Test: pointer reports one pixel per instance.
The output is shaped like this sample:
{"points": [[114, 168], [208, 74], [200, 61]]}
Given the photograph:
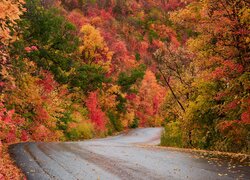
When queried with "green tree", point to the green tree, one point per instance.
{"points": [[89, 78], [48, 39]]}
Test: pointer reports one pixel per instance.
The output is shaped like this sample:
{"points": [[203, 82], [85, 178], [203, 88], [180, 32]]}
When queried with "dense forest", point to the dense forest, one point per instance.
{"points": [[78, 69]]}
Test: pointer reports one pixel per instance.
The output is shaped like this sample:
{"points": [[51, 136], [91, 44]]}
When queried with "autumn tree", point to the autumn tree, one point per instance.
{"points": [[53, 37], [150, 97], [218, 40], [128, 79], [93, 48], [96, 114], [175, 67], [89, 78]]}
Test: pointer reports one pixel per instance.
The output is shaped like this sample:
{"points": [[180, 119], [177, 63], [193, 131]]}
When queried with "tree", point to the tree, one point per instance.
{"points": [[89, 78], [150, 95], [94, 49], [218, 41], [96, 115], [175, 67], [52, 35], [126, 80]]}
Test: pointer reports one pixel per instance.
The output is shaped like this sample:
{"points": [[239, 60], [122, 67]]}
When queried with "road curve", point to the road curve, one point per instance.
{"points": [[120, 157]]}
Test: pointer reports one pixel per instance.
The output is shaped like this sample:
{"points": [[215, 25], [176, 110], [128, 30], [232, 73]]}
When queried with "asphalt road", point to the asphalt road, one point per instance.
{"points": [[126, 156]]}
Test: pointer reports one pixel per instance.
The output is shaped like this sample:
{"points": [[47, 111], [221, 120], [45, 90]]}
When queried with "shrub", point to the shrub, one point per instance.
{"points": [[85, 130], [172, 135], [135, 123]]}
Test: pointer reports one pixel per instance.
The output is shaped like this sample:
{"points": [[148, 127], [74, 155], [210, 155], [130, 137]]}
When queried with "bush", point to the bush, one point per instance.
{"points": [[135, 123], [172, 135], [84, 130]]}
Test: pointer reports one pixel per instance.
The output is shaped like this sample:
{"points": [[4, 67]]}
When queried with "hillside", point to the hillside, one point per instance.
{"points": [[79, 69]]}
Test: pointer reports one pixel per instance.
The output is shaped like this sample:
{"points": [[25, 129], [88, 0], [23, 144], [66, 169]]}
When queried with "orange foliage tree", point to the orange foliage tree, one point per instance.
{"points": [[150, 97]]}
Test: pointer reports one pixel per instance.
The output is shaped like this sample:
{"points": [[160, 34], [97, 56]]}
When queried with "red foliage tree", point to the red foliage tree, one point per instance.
{"points": [[47, 82], [96, 114]]}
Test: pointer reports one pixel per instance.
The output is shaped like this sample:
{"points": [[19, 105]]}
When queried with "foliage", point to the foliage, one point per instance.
{"points": [[10, 12], [150, 97], [88, 78], [121, 106], [83, 130], [172, 135], [126, 80], [115, 121], [8, 169], [126, 64], [135, 123], [96, 114], [209, 90], [94, 49], [52, 37]]}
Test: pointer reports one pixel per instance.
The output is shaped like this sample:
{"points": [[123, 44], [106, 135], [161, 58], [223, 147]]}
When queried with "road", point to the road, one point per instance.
{"points": [[127, 156]]}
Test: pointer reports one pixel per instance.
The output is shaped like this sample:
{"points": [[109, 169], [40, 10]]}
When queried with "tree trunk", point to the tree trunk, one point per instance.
{"points": [[172, 91]]}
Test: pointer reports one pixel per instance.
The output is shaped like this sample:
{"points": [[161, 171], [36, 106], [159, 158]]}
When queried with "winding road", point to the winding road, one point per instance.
{"points": [[127, 156]]}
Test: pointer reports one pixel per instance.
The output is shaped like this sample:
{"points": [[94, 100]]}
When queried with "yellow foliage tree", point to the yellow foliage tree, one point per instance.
{"points": [[94, 49]]}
